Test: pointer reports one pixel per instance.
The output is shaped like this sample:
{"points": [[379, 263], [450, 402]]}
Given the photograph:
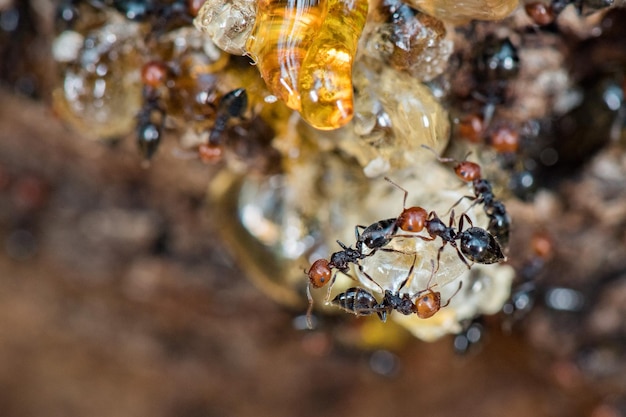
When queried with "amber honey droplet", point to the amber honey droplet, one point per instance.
{"points": [[465, 10], [282, 35], [541, 13], [326, 76], [505, 140]]}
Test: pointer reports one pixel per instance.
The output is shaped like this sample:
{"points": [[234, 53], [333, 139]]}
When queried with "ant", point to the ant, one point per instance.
{"points": [[363, 303], [320, 274], [470, 172], [476, 244], [151, 117], [231, 105]]}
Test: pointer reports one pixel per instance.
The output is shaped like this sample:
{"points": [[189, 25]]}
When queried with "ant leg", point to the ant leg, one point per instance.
{"points": [[309, 311], [455, 293], [471, 197], [370, 278], [406, 193], [409, 275], [356, 232], [439, 255], [330, 287], [460, 255], [464, 216]]}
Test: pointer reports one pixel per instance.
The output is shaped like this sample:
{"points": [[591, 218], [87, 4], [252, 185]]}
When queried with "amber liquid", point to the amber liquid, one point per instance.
{"points": [[326, 75], [283, 33]]}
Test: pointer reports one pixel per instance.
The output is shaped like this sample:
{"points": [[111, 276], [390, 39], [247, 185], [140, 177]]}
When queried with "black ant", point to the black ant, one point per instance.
{"points": [[363, 303], [231, 105], [470, 172], [151, 117], [476, 244], [321, 272]]}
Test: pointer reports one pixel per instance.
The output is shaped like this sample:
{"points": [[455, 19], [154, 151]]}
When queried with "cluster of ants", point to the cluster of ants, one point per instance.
{"points": [[474, 244]]}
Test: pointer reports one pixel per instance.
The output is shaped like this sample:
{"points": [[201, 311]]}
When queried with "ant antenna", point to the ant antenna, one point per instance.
{"points": [[455, 293], [406, 193], [445, 160]]}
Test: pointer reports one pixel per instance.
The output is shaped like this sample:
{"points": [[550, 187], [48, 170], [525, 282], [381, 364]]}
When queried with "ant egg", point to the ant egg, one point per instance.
{"points": [[464, 10], [325, 81]]}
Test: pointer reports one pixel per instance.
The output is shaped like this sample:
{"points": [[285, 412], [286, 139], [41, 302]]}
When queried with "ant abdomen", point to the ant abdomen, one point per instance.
{"points": [[359, 302], [480, 246]]}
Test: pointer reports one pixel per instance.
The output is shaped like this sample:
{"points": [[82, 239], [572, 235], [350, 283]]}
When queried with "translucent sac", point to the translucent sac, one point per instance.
{"points": [[465, 10], [228, 23], [409, 41], [326, 77]]}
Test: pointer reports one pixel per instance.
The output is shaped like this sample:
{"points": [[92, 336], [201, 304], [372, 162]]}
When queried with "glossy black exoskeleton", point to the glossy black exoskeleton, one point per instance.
{"points": [[359, 302], [480, 246], [233, 104], [150, 121]]}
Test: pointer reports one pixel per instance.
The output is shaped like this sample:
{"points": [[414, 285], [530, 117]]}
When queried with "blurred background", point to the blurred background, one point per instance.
{"points": [[119, 298]]}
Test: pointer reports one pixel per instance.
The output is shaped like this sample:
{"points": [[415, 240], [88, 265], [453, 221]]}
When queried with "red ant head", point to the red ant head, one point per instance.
{"points": [[412, 219], [504, 140], [541, 245], [210, 153], [471, 128], [542, 14], [320, 273], [428, 304], [467, 171], [154, 73]]}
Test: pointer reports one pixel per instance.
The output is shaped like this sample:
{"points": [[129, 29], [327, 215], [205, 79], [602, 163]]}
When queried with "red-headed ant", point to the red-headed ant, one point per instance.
{"points": [[470, 172], [363, 303]]}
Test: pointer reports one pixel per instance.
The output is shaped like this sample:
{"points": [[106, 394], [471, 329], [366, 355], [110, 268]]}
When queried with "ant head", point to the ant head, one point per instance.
{"points": [[210, 153], [541, 14], [471, 128], [505, 139], [467, 171], [319, 273], [154, 74], [412, 219], [428, 304]]}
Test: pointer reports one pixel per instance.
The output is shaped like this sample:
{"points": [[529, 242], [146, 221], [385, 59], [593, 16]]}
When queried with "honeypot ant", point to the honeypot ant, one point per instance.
{"points": [[470, 172]]}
